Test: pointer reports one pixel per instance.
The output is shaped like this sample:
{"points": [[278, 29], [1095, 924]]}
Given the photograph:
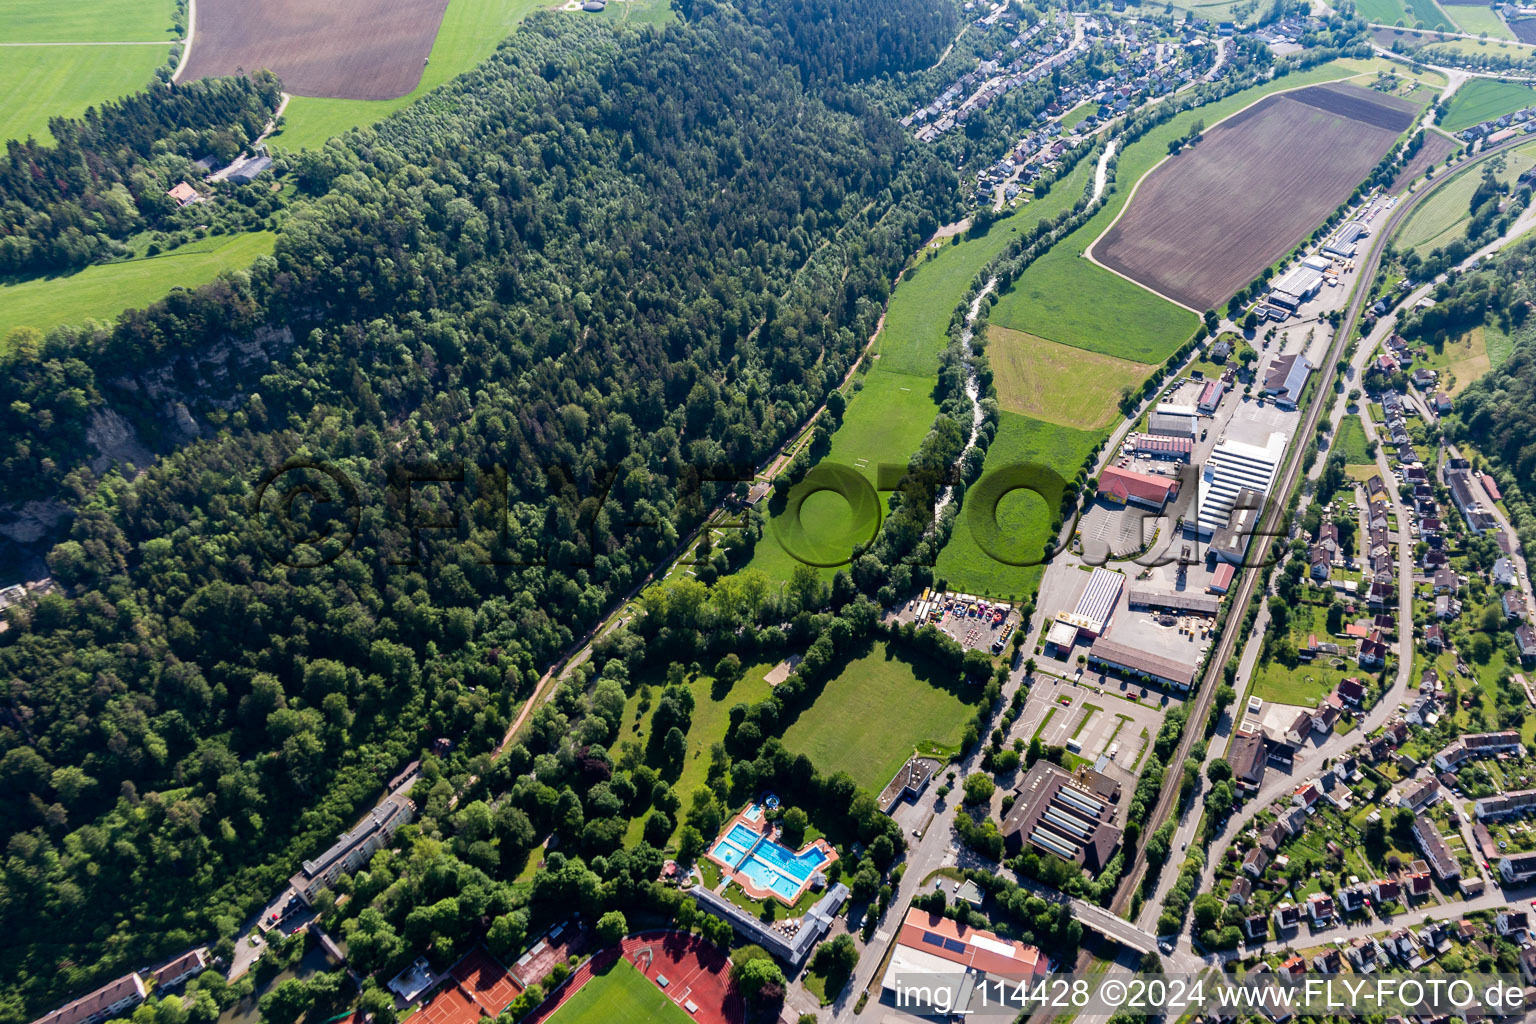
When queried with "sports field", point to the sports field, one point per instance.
{"points": [[869, 718], [1442, 217], [917, 320], [1208, 220], [620, 993], [1482, 99], [1123, 319], [1057, 383], [103, 291], [469, 33], [40, 82], [970, 561]]}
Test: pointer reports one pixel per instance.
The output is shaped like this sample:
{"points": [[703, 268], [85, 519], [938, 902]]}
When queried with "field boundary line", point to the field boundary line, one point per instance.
{"points": [[186, 45], [108, 42], [1131, 195]]}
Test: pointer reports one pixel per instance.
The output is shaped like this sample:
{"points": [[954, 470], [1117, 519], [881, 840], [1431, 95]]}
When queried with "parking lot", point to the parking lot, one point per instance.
{"points": [[969, 620], [1098, 721]]}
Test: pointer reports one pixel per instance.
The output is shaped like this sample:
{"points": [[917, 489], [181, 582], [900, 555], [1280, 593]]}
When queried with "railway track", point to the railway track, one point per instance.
{"points": [[1270, 525]]}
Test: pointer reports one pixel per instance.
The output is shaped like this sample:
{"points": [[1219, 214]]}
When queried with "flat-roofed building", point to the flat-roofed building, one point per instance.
{"points": [[1098, 602], [1235, 466], [1161, 446], [1055, 813], [1173, 600], [353, 849]]}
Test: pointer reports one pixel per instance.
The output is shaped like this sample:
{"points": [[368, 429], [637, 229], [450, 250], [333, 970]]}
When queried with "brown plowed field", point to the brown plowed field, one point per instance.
{"points": [[1206, 222], [1525, 31], [1435, 149], [346, 49]]}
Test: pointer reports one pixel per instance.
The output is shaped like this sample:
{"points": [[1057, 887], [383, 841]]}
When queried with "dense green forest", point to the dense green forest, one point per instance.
{"points": [[66, 204], [590, 274]]}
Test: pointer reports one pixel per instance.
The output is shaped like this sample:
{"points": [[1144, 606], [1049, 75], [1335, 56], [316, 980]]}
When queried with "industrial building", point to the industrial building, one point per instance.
{"points": [[1286, 378], [1229, 545], [792, 949], [1137, 662], [1092, 612], [1296, 287], [1173, 600], [1232, 467], [1143, 489], [940, 963], [1055, 813], [1165, 447], [1344, 243], [1210, 396]]}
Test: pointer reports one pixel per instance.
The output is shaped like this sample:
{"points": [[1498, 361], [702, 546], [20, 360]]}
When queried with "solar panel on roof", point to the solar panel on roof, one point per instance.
{"points": [[954, 945], [933, 939]]}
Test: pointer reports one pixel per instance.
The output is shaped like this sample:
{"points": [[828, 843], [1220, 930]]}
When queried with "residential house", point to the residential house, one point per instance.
{"points": [[1386, 890], [1286, 916], [180, 969], [1242, 889], [1525, 643], [1255, 862], [103, 1004], [1511, 922], [1504, 572], [1518, 868], [1320, 909], [1256, 927], [1365, 954]]}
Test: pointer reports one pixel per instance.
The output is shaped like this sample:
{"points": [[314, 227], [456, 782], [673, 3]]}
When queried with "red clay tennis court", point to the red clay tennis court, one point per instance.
{"points": [[450, 1006], [483, 978]]}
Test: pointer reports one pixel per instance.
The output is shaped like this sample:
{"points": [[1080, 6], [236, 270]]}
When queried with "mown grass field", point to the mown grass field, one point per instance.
{"points": [[1480, 48], [40, 82], [1074, 117], [1351, 440], [1069, 300], [619, 993], [1023, 517], [470, 32], [1463, 359], [1407, 12], [103, 291], [86, 21], [1480, 99], [1057, 383], [917, 320], [1475, 20], [712, 704], [885, 422], [1442, 217], [868, 719]]}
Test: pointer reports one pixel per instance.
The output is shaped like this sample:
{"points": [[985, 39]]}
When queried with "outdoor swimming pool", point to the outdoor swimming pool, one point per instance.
{"points": [[767, 865]]}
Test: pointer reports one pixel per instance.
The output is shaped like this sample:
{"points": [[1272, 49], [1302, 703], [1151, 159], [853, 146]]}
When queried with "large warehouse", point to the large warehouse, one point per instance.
{"points": [[1296, 287], [1234, 465], [1286, 378]]}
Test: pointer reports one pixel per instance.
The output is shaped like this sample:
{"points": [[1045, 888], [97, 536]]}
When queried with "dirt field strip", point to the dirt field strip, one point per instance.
{"points": [[346, 49], [1199, 228], [186, 44]]}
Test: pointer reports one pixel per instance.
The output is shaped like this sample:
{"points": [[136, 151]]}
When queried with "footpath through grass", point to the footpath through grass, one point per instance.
{"points": [[1482, 99], [869, 718], [1065, 298], [41, 82], [103, 291], [619, 993]]}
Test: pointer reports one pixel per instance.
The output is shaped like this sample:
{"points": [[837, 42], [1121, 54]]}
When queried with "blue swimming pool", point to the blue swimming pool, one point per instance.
{"points": [[779, 870]]}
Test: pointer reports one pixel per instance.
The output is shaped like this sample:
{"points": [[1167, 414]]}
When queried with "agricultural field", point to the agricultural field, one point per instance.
{"points": [[1208, 220], [38, 82], [1432, 153], [619, 993], [103, 291], [355, 49], [1482, 99], [1441, 218], [1057, 383], [1476, 20], [1023, 518], [469, 32], [917, 320], [868, 720], [1407, 13], [1125, 320], [1524, 30], [1433, 44]]}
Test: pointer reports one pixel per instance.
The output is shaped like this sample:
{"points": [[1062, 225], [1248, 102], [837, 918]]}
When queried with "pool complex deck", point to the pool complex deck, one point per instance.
{"points": [[748, 856]]}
